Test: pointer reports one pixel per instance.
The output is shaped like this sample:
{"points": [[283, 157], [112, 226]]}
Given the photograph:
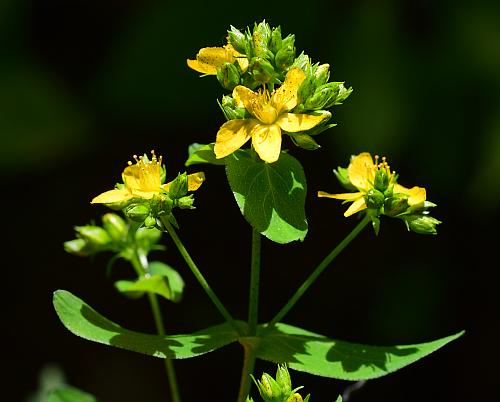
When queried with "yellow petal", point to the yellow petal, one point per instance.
{"points": [[361, 171], [343, 196], [356, 206], [203, 68], [142, 177], [112, 196], [215, 56], [243, 63], [293, 122], [416, 195], [266, 139], [232, 135], [245, 97], [285, 97]]}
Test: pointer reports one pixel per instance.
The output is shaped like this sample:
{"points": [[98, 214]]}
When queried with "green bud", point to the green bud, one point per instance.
{"points": [[95, 236], [374, 199], [342, 95], [396, 204], [269, 389], [230, 110], [382, 179], [186, 202], [306, 89], [137, 212], [322, 74], [179, 187], [304, 141], [288, 41], [262, 70], [76, 247], [165, 205], [147, 236], [261, 37], [285, 57], [150, 222], [422, 224], [276, 42], [228, 76], [303, 62], [321, 97], [238, 40], [283, 379], [295, 398], [115, 226]]}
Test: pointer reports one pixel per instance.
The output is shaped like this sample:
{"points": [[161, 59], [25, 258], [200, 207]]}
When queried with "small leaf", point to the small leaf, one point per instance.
{"points": [[82, 320], [200, 153], [174, 279], [70, 394], [316, 354], [271, 196]]}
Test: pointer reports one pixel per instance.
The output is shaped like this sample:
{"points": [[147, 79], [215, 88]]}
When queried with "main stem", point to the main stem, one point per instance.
{"points": [[198, 275], [318, 270], [141, 268], [248, 366], [253, 300]]}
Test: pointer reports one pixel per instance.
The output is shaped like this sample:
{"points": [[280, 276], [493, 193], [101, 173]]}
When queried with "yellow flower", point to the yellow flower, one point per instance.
{"points": [[209, 59], [143, 180], [361, 173], [270, 116]]}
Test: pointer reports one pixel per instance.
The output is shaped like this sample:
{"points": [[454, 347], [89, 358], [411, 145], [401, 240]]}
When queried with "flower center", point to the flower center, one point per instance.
{"points": [[263, 108], [146, 173]]}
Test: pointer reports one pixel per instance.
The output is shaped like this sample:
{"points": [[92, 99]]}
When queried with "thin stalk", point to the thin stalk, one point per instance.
{"points": [[248, 366], [253, 300], [140, 265], [318, 270], [198, 275]]}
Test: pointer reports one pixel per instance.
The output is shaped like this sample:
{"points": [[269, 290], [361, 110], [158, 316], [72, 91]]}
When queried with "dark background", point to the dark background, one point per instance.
{"points": [[86, 84]]}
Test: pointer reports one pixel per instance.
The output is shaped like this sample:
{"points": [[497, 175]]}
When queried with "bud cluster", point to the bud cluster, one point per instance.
{"points": [[115, 235], [279, 389]]}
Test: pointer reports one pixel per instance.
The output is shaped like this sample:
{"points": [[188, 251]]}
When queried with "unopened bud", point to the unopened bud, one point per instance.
{"points": [[137, 212], [342, 95], [422, 224], [186, 202], [95, 236], [285, 56], [269, 389], [322, 95], [283, 379], [115, 226], [148, 236], [304, 141], [322, 74], [342, 175], [382, 179], [306, 89], [238, 40], [374, 199], [230, 110], [150, 222], [262, 70], [76, 247], [261, 37], [276, 42], [295, 398], [396, 204], [179, 187], [228, 76]]}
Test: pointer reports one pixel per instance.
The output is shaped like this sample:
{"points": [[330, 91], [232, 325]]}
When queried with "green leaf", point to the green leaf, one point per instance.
{"points": [[200, 153], [70, 394], [82, 320], [316, 354], [271, 196], [163, 281]]}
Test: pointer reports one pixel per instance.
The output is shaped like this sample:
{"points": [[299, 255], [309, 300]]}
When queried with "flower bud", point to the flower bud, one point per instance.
{"points": [[179, 187], [150, 222], [306, 89], [295, 398], [230, 110], [269, 389], [304, 141], [342, 95], [285, 56], [261, 37], [76, 247], [228, 76], [382, 179], [322, 74], [95, 236], [137, 212], [147, 236], [422, 224], [276, 42], [115, 226], [283, 379], [321, 97], [374, 199], [262, 70], [186, 202], [238, 40], [396, 204]]}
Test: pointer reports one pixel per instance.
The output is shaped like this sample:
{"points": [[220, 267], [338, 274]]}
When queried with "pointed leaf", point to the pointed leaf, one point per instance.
{"points": [[319, 355], [70, 394], [82, 320], [271, 196], [200, 153]]}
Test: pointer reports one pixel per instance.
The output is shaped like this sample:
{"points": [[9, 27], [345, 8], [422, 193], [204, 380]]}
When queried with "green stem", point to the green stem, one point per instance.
{"points": [[248, 366], [318, 270], [253, 300], [141, 268], [199, 276]]}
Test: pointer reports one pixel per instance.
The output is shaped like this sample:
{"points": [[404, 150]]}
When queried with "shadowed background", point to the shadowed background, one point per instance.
{"points": [[86, 84]]}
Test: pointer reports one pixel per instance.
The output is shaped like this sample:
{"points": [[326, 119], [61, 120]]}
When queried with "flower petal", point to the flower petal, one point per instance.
{"points": [[232, 135], [245, 97], [343, 196], [203, 68], [112, 196], [356, 206], [285, 97], [266, 139], [293, 122], [416, 195], [361, 171]]}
